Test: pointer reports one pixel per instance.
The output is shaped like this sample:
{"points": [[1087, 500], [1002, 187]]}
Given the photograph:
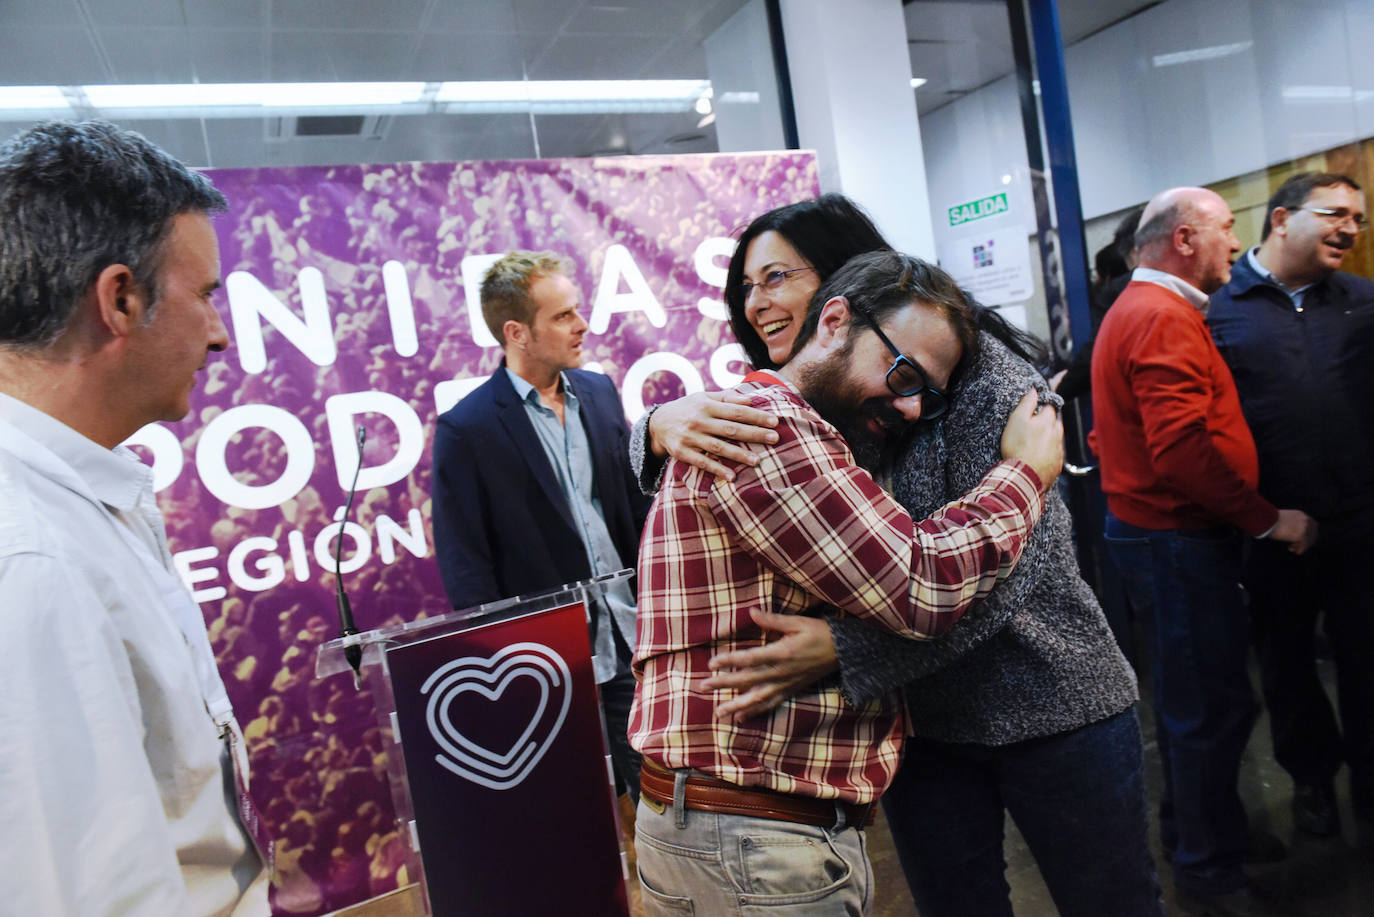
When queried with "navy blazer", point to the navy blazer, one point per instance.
{"points": [[502, 526], [1306, 383]]}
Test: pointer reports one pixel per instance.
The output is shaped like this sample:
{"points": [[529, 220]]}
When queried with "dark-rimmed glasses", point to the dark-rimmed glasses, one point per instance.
{"points": [[771, 281], [905, 378], [1339, 215]]}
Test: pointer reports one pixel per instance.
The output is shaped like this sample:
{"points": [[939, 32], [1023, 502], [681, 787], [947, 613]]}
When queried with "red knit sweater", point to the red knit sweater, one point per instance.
{"points": [[1174, 448]]}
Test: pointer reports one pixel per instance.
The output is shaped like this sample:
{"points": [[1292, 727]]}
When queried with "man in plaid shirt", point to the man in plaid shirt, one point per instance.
{"points": [[766, 810]]}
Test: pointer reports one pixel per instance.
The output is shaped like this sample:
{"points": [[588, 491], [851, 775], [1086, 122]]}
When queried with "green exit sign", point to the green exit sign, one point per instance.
{"points": [[976, 210]]}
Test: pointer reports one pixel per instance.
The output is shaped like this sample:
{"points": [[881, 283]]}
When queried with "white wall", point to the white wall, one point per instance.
{"points": [[739, 60], [851, 82], [1301, 81]]}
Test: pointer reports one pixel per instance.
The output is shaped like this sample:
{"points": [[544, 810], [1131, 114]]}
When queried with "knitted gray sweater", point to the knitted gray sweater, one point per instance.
{"points": [[1034, 658]]}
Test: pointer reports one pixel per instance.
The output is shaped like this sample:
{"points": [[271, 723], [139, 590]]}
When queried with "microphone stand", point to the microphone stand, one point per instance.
{"points": [[352, 653]]}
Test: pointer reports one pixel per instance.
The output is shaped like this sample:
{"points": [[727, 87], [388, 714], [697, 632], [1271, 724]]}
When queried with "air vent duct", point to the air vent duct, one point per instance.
{"points": [[326, 127]]}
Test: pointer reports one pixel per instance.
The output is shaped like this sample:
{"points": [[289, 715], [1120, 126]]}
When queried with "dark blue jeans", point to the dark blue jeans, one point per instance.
{"points": [[1078, 799], [1286, 594], [1185, 585]]}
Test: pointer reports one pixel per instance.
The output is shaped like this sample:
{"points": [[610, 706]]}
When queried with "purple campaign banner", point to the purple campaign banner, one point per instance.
{"points": [[351, 297]]}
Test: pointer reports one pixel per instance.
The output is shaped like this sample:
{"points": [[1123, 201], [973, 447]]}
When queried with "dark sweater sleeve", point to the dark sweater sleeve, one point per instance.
{"points": [[873, 663], [646, 467], [934, 467]]}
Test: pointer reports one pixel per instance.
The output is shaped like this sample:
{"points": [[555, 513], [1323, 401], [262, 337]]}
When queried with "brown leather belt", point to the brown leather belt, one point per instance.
{"points": [[707, 794]]}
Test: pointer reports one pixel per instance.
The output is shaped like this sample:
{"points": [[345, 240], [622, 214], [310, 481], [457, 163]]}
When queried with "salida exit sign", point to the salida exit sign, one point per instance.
{"points": [[976, 210]]}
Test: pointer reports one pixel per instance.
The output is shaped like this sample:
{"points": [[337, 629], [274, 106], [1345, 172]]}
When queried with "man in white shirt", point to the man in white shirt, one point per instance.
{"points": [[118, 787]]}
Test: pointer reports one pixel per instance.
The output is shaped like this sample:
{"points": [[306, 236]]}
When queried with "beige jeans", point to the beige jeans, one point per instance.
{"points": [[711, 865]]}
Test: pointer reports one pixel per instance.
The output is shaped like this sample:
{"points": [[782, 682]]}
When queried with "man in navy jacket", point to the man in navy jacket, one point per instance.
{"points": [[1298, 335], [532, 483]]}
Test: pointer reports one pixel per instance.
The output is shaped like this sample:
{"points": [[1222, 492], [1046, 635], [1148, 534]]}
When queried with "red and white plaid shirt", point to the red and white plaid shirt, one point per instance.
{"points": [[804, 531]]}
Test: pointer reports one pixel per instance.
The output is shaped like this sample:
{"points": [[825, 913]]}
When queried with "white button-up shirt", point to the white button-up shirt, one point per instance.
{"points": [[116, 789]]}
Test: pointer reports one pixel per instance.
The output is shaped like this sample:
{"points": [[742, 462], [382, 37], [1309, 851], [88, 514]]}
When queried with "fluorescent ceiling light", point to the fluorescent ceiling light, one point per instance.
{"points": [[236, 100], [29, 98], [247, 100], [1326, 94], [569, 96], [1197, 54], [917, 82], [738, 97]]}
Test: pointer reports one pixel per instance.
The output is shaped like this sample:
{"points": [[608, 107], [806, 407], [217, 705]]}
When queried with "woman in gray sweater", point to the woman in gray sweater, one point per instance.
{"points": [[1027, 706]]}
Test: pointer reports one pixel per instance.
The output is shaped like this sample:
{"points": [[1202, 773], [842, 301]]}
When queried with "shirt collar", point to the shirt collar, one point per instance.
{"points": [[116, 476], [1252, 258], [769, 377], [1173, 283], [523, 388]]}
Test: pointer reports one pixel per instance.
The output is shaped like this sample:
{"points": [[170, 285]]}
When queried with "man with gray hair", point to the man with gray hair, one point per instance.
{"points": [[119, 791], [1180, 471]]}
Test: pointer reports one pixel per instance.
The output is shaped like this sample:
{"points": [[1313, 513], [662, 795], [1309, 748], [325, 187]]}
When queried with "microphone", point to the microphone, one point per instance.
{"points": [[352, 653]]}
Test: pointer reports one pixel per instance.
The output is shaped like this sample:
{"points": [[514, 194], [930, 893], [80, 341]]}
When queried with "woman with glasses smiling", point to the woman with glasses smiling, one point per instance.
{"points": [[1027, 706]]}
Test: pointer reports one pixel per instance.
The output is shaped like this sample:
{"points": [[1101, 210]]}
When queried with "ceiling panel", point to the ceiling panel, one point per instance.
{"points": [[39, 12], [235, 142], [683, 59], [548, 16], [465, 56], [49, 56], [576, 135], [443, 138], [127, 12], [354, 15], [632, 17], [480, 16], [592, 57], [970, 21], [506, 137], [339, 56], [1081, 18], [146, 54], [230, 55], [670, 133], [958, 46], [228, 14]]}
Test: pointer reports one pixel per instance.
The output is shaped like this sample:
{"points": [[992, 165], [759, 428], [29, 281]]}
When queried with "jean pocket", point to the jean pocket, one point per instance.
{"points": [[788, 868], [657, 902]]}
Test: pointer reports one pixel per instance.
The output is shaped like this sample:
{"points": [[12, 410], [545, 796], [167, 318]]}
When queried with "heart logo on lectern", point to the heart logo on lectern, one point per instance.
{"points": [[489, 678]]}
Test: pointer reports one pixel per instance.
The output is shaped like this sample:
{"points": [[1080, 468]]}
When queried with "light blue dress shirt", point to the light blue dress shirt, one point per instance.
{"points": [[1294, 296], [565, 444]]}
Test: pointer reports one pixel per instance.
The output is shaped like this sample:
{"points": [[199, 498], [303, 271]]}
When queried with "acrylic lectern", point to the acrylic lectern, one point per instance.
{"points": [[498, 759]]}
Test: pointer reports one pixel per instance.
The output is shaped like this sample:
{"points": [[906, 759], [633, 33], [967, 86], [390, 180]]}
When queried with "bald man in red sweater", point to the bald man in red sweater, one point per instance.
{"points": [[1180, 471]]}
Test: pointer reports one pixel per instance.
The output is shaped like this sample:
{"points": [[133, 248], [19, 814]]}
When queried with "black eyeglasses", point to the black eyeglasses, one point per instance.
{"points": [[771, 281], [904, 378], [1339, 216]]}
